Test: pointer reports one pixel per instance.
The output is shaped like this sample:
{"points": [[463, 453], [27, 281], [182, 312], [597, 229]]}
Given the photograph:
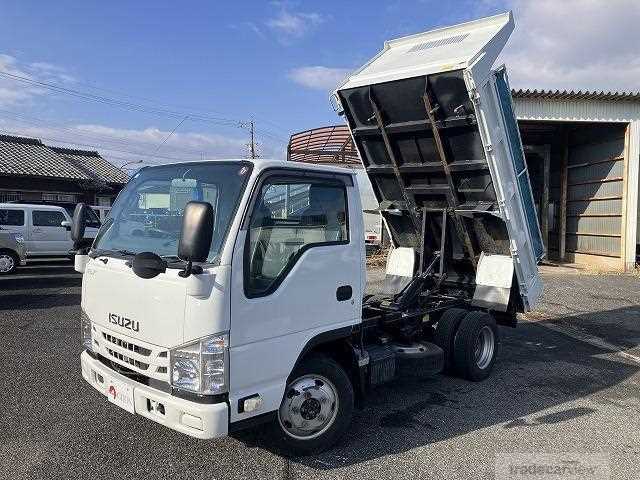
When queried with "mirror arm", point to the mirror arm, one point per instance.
{"points": [[190, 269], [187, 270]]}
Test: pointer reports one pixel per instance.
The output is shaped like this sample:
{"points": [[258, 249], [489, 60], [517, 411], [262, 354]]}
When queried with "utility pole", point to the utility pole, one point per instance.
{"points": [[253, 143], [251, 146]]}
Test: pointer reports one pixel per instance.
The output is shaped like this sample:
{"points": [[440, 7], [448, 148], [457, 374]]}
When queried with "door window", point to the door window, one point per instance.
{"points": [[47, 218], [11, 217], [289, 217]]}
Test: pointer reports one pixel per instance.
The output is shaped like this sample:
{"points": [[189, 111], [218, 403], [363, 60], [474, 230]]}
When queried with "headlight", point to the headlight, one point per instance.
{"points": [[85, 331], [201, 367]]}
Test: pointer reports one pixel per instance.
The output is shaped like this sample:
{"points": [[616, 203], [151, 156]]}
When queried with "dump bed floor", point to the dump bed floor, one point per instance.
{"points": [[423, 153]]}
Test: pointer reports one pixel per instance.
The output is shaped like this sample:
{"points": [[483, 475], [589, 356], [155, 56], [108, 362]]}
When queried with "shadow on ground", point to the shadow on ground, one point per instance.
{"points": [[537, 369], [30, 283], [29, 302]]}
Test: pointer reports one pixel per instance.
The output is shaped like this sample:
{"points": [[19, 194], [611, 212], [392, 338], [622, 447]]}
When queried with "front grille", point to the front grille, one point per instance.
{"points": [[142, 357], [128, 345], [130, 361]]}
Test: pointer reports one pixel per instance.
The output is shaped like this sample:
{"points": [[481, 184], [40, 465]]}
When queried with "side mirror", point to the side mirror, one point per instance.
{"points": [[80, 215], [196, 235], [67, 225]]}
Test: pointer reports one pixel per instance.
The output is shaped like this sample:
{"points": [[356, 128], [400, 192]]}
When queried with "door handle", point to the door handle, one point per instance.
{"points": [[345, 292]]}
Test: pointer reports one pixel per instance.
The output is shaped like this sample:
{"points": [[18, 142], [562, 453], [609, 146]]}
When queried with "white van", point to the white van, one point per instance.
{"points": [[46, 229]]}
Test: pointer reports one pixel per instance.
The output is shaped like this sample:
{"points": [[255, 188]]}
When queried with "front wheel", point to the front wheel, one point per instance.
{"points": [[8, 262], [317, 407]]}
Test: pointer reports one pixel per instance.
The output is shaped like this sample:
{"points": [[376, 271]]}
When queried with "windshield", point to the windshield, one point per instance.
{"points": [[147, 216]]}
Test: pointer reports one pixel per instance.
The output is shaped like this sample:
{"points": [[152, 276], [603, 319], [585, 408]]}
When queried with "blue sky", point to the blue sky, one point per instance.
{"points": [[274, 61]]}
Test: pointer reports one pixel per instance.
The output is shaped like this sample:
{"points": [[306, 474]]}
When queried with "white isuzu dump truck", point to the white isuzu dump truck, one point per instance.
{"points": [[221, 294]]}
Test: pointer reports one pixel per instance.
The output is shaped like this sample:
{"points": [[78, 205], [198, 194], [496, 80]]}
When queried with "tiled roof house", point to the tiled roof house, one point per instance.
{"points": [[33, 171]]}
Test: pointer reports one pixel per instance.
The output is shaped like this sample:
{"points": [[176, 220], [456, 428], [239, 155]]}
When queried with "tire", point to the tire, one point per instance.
{"points": [[445, 334], [9, 261], [476, 346], [322, 380]]}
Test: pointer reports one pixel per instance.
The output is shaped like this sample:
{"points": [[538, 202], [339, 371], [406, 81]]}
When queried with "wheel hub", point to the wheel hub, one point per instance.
{"points": [[6, 263], [309, 408], [484, 347]]}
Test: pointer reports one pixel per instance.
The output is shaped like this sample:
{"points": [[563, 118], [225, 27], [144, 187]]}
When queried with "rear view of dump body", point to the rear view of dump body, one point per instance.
{"points": [[436, 131]]}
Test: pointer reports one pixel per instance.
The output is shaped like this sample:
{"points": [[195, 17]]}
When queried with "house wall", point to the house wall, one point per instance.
{"points": [[38, 189]]}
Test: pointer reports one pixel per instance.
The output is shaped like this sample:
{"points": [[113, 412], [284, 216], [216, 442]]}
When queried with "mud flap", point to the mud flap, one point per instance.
{"points": [[493, 282]]}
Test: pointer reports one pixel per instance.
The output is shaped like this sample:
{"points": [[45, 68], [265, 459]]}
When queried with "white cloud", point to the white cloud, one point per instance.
{"points": [[574, 44], [18, 92], [47, 72], [318, 77], [122, 145], [12, 92], [295, 24]]}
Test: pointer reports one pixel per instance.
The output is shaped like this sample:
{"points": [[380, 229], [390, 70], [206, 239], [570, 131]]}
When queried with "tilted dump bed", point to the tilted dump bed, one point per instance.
{"points": [[435, 129]]}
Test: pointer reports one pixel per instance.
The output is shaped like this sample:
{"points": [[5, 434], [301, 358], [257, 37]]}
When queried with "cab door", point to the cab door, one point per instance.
{"points": [[47, 235], [296, 274]]}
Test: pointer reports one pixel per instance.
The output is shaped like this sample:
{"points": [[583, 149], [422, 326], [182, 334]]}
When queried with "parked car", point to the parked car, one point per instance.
{"points": [[45, 229], [12, 252]]}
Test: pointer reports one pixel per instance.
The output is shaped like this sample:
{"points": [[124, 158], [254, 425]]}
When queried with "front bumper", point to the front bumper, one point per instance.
{"points": [[194, 419]]}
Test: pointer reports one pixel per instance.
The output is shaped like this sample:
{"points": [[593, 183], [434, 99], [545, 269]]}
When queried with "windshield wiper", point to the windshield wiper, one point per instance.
{"points": [[122, 253], [171, 258]]}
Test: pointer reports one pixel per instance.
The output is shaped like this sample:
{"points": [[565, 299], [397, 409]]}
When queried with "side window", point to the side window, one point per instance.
{"points": [[12, 217], [92, 219], [290, 216], [47, 218]]}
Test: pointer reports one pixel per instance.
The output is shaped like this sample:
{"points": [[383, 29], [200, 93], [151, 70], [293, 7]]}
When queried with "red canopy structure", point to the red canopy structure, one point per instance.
{"points": [[325, 145]]}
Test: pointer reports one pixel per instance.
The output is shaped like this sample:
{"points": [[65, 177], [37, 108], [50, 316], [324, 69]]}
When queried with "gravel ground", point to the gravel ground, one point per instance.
{"points": [[554, 389]]}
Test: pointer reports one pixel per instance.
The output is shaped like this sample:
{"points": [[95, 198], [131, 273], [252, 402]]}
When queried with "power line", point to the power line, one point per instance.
{"points": [[92, 136], [164, 104], [116, 102], [170, 133], [134, 106], [58, 140]]}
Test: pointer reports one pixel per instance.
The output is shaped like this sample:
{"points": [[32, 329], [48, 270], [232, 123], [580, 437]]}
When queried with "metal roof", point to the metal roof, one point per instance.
{"points": [[29, 157], [576, 94], [332, 145]]}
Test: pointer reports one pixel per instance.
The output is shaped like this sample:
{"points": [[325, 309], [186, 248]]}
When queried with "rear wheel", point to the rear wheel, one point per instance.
{"points": [[446, 332], [8, 262], [317, 407], [476, 346]]}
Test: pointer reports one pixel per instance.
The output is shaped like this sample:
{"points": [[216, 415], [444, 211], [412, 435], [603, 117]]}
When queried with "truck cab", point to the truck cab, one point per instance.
{"points": [[201, 352], [224, 293]]}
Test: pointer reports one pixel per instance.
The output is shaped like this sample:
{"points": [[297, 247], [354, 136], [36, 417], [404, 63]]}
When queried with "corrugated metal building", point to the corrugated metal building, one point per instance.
{"points": [[583, 152]]}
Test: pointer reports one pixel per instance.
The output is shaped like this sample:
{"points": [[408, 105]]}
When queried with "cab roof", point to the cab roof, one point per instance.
{"points": [[262, 164]]}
